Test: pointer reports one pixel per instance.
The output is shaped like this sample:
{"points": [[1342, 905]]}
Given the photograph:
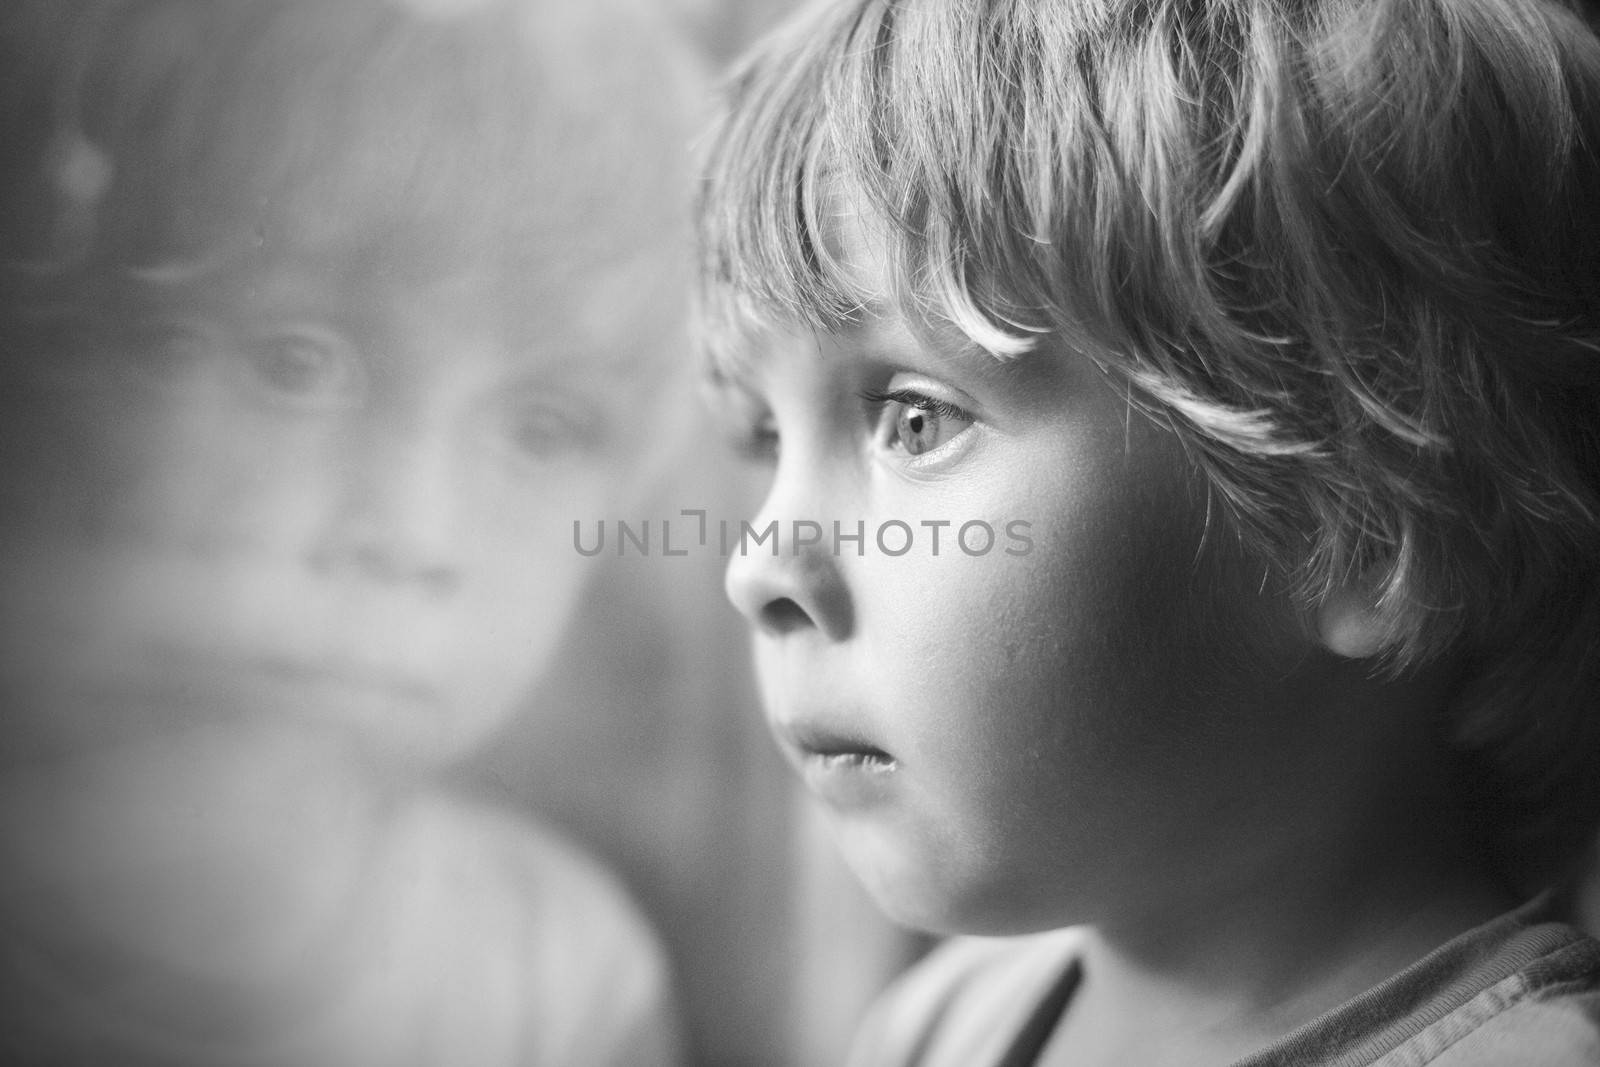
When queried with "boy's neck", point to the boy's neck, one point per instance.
{"points": [[1234, 971]]}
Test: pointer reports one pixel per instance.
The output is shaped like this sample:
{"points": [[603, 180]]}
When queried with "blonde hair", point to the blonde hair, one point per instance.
{"points": [[1347, 250]]}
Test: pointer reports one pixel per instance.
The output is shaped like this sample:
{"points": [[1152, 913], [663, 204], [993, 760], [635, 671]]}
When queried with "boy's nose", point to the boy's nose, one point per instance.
{"points": [[800, 588], [392, 519]]}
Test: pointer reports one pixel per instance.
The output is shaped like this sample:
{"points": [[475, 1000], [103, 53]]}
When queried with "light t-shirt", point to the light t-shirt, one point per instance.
{"points": [[1522, 991]]}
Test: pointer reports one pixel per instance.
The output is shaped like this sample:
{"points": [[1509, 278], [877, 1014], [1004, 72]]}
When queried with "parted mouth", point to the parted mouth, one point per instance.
{"points": [[834, 748], [867, 759]]}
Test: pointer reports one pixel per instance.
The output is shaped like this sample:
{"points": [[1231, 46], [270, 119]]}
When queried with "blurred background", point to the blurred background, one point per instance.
{"points": [[146, 485], [646, 743]]}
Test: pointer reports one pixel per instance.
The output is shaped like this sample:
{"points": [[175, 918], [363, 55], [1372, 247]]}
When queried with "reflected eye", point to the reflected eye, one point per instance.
{"points": [[914, 422], [170, 354], [544, 428], [305, 366]]}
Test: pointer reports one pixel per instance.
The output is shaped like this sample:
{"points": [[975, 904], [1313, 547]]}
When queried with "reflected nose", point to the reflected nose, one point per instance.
{"points": [[799, 588], [392, 519]]}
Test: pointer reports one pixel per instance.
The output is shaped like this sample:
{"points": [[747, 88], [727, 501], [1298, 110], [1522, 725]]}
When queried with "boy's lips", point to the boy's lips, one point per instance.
{"points": [[838, 764]]}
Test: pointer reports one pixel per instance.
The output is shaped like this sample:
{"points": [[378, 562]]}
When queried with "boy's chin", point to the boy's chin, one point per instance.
{"points": [[922, 893]]}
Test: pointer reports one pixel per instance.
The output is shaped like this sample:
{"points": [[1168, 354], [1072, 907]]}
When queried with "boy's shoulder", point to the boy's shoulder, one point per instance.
{"points": [[1524, 989], [1556, 1031], [1536, 1004]]}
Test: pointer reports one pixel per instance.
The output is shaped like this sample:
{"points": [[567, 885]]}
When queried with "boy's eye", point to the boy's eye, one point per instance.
{"points": [[915, 422], [305, 366]]}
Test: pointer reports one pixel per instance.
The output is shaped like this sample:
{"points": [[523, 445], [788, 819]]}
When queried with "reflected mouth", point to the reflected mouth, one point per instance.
{"points": [[193, 677], [340, 677]]}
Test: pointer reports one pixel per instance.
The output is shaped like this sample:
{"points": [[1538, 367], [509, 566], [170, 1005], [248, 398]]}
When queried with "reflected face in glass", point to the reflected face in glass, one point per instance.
{"points": [[1008, 741], [312, 492]]}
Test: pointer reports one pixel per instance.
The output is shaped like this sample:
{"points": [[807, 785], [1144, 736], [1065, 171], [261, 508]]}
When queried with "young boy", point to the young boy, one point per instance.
{"points": [[1271, 330], [320, 322]]}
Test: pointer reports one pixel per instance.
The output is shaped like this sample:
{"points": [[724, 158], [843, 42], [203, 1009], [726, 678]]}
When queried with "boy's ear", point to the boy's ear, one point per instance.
{"points": [[1348, 624]]}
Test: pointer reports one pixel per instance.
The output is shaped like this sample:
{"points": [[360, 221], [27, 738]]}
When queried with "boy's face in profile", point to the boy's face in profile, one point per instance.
{"points": [[334, 493], [1013, 742]]}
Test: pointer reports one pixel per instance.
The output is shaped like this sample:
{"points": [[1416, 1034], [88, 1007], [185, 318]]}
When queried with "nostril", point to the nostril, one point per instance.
{"points": [[780, 596], [783, 615]]}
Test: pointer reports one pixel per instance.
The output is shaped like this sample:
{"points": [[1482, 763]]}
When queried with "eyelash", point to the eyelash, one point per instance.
{"points": [[758, 440], [901, 418], [915, 399]]}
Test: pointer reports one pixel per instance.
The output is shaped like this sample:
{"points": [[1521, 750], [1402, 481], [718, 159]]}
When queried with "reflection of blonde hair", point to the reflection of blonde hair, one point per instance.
{"points": [[141, 132], [1348, 251]]}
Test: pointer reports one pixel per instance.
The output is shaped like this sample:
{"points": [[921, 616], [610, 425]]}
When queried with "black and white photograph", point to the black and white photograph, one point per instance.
{"points": [[799, 533]]}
